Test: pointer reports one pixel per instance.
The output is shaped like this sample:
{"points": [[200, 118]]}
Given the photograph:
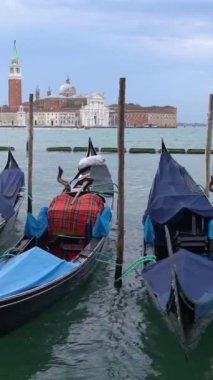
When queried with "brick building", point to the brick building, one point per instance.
{"points": [[139, 116], [68, 109], [63, 109]]}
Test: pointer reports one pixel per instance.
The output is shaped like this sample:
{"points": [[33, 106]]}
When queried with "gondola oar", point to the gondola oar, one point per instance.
{"points": [[86, 181], [175, 284]]}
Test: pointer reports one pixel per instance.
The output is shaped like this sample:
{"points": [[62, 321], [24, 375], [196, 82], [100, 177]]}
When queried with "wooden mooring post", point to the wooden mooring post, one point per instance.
{"points": [[30, 154], [208, 144], [121, 154]]}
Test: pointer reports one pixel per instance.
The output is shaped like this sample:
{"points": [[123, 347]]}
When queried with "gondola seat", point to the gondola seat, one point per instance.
{"points": [[197, 243], [74, 244], [68, 218]]}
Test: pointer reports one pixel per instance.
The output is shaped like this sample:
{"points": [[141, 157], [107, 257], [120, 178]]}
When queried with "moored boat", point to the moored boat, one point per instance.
{"points": [[178, 231], [11, 196], [60, 247]]}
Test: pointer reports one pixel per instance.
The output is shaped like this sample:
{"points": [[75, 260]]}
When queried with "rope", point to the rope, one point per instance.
{"points": [[30, 196], [201, 186], [109, 258], [204, 190], [105, 183], [136, 263], [106, 192], [6, 254]]}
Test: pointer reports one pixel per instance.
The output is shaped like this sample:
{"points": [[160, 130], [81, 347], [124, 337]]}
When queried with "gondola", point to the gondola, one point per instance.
{"points": [[60, 247], [178, 234], [11, 196]]}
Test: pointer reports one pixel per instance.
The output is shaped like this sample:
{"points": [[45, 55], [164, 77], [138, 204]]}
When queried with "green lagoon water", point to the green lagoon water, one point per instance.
{"points": [[99, 332]]}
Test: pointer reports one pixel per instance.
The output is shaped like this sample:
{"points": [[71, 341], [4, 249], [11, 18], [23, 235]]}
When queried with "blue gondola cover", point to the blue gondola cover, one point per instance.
{"points": [[11, 180], [35, 227], [31, 269], [149, 233], [102, 224], [174, 191], [194, 273]]}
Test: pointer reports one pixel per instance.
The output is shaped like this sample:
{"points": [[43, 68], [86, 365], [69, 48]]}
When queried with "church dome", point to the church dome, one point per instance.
{"points": [[66, 89]]}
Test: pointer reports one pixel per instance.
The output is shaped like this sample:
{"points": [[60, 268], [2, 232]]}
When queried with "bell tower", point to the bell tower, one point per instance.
{"points": [[15, 81], [37, 93], [49, 92]]}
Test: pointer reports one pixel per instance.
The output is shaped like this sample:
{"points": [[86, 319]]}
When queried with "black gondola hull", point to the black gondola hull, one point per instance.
{"points": [[177, 231], [192, 332], [80, 248], [7, 226], [16, 310]]}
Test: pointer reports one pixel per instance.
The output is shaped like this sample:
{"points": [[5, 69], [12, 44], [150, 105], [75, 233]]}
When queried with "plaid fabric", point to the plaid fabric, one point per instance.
{"points": [[64, 218]]}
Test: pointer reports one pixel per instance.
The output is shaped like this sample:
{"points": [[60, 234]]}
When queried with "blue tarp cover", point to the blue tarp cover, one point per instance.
{"points": [[31, 269], [102, 224], [174, 191], [35, 227], [149, 233], [195, 275], [11, 181]]}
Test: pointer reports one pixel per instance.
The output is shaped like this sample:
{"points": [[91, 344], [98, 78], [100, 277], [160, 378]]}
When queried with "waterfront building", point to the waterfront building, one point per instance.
{"points": [[65, 109], [8, 118], [94, 113], [66, 89], [162, 116], [68, 109], [139, 116]]}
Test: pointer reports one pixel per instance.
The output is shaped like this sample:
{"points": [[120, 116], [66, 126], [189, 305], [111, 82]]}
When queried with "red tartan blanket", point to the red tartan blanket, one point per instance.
{"points": [[64, 218]]}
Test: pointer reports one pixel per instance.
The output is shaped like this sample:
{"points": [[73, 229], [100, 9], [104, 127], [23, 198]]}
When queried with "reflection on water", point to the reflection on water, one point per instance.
{"points": [[98, 332]]}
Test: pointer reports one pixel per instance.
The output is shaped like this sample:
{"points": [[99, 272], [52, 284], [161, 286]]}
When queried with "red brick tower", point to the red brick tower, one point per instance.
{"points": [[15, 82]]}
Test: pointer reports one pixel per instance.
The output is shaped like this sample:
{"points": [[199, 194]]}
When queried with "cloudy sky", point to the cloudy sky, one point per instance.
{"points": [[164, 49]]}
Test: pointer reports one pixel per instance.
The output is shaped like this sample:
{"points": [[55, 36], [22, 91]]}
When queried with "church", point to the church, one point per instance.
{"points": [[65, 109]]}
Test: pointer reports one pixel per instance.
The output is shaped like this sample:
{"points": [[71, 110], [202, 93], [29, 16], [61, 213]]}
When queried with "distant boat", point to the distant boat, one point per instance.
{"points": [[150, 126]]}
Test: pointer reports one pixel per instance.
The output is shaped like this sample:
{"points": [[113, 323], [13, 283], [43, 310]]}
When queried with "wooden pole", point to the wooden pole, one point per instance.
{"points": [[209, 143], [121, 153], [30, 154]]}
